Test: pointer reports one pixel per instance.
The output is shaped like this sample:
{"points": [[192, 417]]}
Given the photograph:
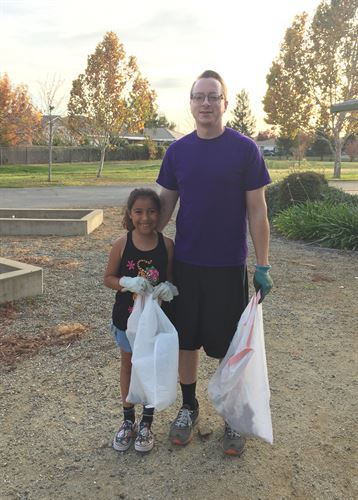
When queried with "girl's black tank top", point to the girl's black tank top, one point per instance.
{"points": [[151, 264]]}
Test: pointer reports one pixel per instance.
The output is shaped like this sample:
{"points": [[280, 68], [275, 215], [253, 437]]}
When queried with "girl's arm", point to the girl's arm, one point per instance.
{"points": [[170, 249], [111, 278]]}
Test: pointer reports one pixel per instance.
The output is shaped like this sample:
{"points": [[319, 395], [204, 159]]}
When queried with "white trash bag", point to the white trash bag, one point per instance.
{"points": [[239, 389], [155, 347]]}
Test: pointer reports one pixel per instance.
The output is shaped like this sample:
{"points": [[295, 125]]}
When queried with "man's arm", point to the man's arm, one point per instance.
{"points": [[168, 200], [258, 224]]}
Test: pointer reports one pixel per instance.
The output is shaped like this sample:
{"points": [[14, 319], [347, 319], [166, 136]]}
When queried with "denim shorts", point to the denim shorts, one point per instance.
{"points": [[121, 338]]}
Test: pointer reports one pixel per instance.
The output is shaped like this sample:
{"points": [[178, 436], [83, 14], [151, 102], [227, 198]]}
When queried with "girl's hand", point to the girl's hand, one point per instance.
{"points": [[137, 285], [165, 291]]}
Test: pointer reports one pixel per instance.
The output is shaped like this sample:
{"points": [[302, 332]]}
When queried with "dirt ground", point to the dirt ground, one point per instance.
{"points": [[60, 402]]}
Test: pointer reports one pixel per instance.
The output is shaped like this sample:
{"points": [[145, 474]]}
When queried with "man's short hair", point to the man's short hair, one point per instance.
{"points": [[211, 74]]}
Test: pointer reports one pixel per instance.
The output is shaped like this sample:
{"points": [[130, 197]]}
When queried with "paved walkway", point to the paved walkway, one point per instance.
{"points": [[66, 197], [90, 196], [349, 186]]}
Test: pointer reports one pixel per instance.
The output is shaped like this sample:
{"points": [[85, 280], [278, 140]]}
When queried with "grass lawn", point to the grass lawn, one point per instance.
{"points": [[141, 172]]}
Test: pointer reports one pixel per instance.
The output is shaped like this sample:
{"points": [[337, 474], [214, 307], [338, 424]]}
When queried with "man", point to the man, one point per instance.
{"points": [[219, 176]]}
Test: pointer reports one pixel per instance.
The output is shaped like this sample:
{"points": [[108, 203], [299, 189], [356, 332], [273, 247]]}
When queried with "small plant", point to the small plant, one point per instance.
{"points": [[332, 226]]}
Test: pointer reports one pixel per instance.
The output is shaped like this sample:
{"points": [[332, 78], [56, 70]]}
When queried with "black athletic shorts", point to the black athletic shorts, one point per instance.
{"points": [[209, 305]]}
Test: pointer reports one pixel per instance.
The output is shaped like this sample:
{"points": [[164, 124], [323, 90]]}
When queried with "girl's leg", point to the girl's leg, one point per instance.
{"points": [[126, 433], [125, 376], [145, 438]]}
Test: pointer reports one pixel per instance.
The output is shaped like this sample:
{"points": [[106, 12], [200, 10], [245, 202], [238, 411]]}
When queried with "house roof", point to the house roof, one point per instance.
{"points": [[159, 134]]}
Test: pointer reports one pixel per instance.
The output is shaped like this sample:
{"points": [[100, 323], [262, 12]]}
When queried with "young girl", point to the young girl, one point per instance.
{"points": [[139, 262]]}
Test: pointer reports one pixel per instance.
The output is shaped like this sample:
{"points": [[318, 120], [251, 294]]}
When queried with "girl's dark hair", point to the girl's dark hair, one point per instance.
{"points": [[133, 197]]}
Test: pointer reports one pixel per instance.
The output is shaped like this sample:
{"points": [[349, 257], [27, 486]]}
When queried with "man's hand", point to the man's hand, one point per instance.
{"points": [[262, 280], [165, 291], [137, 285]]}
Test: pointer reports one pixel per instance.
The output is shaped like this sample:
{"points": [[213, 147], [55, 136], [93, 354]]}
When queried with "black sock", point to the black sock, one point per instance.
{"points": [[129, 413], [147, 416], [188, 391]]}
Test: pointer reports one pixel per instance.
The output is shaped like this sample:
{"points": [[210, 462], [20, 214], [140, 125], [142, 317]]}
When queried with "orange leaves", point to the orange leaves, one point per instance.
{"points": [[19, 119]]}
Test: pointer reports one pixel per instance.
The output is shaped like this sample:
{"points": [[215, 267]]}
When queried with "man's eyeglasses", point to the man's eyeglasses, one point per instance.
{"points": [[212, 98]]}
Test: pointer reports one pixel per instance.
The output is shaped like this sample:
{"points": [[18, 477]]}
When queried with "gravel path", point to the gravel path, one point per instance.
{"points": [[60, 406]]}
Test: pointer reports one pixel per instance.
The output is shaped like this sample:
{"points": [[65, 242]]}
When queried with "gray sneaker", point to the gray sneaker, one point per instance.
{"points": [[145, 439], [181, 429], [234, 443], [125, 435]]}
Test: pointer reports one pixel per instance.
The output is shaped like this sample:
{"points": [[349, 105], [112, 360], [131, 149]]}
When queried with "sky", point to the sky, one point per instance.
{"points": [[42, 40]]}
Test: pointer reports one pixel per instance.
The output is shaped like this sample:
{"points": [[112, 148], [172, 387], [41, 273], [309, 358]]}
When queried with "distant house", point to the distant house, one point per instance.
{"points": [[267, 147], [60, 128], [159, 135]]}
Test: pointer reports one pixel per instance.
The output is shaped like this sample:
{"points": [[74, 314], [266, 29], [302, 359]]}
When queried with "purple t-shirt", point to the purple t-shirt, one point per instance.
{"points": [[211, 177]]}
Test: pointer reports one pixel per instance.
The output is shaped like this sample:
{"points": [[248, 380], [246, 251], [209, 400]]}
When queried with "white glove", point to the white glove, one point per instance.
{"points": [[165, 291], [137, 285]]}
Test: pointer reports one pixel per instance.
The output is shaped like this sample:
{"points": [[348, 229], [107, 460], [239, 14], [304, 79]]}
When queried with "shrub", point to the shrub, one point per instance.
{"points": [[301, 187], [272, 199], [333, 226], [151, 149], [160, 152], [336, 196]]}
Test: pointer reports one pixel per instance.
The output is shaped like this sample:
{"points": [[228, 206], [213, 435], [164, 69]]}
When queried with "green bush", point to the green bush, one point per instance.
{"points": [[336, 196], [272, 199], [301, 187], [151, 149], [333, 226], [160, 152]]}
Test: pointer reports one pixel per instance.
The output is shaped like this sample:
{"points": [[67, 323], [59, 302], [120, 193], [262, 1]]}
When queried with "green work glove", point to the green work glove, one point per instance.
{"points": [[262, 280]]}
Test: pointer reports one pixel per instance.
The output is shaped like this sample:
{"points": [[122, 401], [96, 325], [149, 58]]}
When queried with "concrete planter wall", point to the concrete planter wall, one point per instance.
{"points": [[49, 222], [18, 280]]}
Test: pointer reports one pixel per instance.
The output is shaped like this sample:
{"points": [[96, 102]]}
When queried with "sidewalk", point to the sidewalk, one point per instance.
{"points": [[67, 197], [91, 196]]}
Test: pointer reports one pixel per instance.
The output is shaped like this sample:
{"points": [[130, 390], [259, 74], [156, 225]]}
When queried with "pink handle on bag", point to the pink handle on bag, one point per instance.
{"points": [[240, 355]]}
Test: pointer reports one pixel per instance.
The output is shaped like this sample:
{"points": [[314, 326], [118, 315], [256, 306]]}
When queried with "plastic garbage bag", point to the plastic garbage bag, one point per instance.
{"points": [[239, 389], [155, 347]]}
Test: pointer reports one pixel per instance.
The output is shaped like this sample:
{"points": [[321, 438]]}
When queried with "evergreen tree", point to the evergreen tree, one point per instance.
{"points": [[243, 121]]}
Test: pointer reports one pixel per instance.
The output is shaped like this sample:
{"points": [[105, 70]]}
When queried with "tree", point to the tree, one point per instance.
{"points": [[284, 146], [301, 143], [319, 147], [159, 121], [110, 97], [287, 101], [333, 70], [352, 148], [19, 119], [265, 135], [243, 120], [317, 67], [51, 101]]}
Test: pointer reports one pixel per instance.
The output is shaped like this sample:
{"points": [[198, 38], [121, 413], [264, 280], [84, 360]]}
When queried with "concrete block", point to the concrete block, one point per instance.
{"points": [[49, 222], [18, 280]]}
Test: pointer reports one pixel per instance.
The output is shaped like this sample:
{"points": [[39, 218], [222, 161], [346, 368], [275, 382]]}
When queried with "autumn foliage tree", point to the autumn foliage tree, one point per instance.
{"points": [[19, 120], [110, 96], [316, 68]]}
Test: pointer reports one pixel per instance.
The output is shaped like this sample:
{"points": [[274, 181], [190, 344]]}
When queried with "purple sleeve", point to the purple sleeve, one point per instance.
{"points": [[256, 173], [166, 177]]}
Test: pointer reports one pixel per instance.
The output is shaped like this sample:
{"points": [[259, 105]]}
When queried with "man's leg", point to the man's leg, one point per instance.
{"points": [[188, 366], [181, 430]]}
